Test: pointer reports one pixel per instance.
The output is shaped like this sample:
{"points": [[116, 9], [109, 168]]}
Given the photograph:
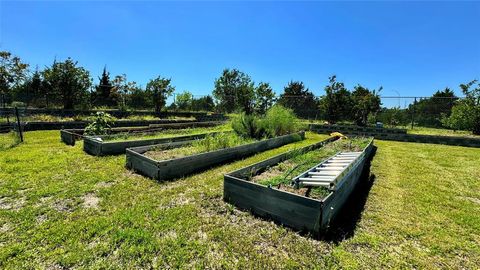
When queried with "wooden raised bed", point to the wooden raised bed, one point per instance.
{"points": [[355, 130], [397, 135], [95, 147], [69, 136], [41, 125], [292, 210], [173, 168]]}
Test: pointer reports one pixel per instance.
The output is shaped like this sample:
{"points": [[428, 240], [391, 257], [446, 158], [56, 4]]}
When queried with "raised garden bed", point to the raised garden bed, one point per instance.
{"points": [[178, 167], [101, 146], [288, 207], [69, 136], [355, 130], [42, 125], [397, 135]]}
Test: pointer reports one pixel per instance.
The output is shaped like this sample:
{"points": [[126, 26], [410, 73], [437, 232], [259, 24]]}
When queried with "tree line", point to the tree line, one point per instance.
{"points": [[68, 85]]}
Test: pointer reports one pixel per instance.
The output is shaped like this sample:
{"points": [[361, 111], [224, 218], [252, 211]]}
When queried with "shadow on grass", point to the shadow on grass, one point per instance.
{"points": [[344, 226]]}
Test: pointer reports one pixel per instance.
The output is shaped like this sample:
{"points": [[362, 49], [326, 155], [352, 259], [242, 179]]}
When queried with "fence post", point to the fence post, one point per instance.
{"points": [[18, 124], [413, 111]]}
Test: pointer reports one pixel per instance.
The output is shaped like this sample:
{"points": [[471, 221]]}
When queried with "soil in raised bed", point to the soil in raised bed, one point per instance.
{"points": [[207, 144], [280, 176]]}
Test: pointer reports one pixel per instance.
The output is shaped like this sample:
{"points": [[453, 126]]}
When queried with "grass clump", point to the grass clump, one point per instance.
{"points": [[277, 121], [281, 175]]}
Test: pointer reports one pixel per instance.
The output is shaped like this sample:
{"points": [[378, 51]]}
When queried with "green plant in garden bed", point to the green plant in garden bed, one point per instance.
{"points": [[277, 121], [165, 133], [209, 143], [101, 124], [281, 175]]}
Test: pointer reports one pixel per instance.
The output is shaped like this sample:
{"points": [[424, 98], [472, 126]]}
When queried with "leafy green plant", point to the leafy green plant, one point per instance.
{"points": [[101, 124], [249, 126], [280, 121], [277, 121]]}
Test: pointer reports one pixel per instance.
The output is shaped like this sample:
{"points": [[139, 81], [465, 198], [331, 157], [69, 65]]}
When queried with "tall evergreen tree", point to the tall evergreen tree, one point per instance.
{"points": [[105, 92]]}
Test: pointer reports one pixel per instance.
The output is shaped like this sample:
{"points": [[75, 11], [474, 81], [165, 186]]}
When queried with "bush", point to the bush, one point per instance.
{"points": [[100, 125], [248, 126], [280, 121], [277, 121]]}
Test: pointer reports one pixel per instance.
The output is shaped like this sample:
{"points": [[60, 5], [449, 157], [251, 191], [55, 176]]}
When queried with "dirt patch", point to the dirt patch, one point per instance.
{"points": [[475, 200], [104, 184], [171, 153], [90, 200], [41, 219], [63, 205], [7, 203], [272, 172], [5, 228]]}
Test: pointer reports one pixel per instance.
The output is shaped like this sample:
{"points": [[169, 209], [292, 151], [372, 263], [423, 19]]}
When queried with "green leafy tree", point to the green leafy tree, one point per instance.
{"points": [[183, 101], [298, 98], [122, 87], [337, 103], [365, 103], [234, 90], [205, 103], [466, 112], [13, 73], [138, 97], [264, 97], [161, 90], [68, 82], [430, 111]]}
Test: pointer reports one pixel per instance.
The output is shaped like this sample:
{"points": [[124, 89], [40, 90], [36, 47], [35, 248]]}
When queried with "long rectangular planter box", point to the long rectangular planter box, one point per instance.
{"points": [[292, 210], [96, 147], [113, 112], [355, 130], [173, 168], [69, 136], [447, 140], [401, 136], [38, 125]]}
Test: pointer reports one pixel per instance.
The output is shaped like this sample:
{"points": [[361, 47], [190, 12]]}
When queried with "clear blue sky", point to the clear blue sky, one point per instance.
{"points": [[413, 48]]}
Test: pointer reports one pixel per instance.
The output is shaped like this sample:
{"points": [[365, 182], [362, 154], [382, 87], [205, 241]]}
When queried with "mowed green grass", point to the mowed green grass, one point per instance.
{"points": [[62, 208]]}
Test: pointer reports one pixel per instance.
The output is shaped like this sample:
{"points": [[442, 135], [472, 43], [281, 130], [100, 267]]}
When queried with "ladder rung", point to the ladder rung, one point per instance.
{"points": [[308, 179], [325, 173], [316, 184]]}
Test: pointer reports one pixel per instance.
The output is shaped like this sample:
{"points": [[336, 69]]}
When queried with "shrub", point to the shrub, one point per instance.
{"points": [[280, 121], [248, 126], [100, 125], [277, 121]]}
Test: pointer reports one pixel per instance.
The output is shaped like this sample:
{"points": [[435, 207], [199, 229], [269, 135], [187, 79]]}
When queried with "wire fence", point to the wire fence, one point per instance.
{"points": [[395, 111]]}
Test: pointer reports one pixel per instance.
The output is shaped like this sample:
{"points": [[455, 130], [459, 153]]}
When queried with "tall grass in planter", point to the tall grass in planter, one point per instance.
{"points": [[277, 121]]}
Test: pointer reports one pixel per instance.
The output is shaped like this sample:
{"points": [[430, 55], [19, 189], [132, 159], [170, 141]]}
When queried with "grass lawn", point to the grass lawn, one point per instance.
{"points": [[60, 207]]}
